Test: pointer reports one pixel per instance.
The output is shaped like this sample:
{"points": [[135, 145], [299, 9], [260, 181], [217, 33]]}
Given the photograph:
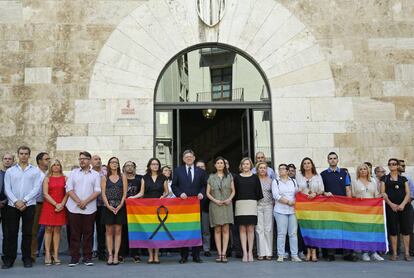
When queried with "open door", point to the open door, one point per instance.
{"points": [[246, 136]]}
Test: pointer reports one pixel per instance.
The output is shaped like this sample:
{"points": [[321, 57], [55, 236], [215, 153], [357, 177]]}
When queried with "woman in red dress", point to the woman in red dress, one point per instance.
{"points": [[53, 214]]}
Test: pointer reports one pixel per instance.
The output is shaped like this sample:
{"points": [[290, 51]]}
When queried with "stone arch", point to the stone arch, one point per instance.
{"points": [[128, 66]]}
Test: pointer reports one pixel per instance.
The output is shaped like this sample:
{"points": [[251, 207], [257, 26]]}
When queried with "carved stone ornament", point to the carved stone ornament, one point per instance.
{"points": [[211, 12]]}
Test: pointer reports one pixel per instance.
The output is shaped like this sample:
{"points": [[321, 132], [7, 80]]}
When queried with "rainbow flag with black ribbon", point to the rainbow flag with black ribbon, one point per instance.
{"points": [[341, 222], [164, 223]]}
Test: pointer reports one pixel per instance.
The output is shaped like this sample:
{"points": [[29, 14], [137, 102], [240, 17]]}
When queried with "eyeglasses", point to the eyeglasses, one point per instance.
{"points": [[392, 164], [129, 165], [83, 158], [114, 162], [155, 164], [282, 168]]}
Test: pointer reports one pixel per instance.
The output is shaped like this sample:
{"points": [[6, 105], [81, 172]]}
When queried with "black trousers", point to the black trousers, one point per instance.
{"points": [[125, 251], [3, 224], [100, 232], [11, 217], [195, 252]]}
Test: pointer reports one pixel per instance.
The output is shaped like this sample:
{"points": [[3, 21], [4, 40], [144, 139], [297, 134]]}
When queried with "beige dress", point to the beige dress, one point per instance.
{"points": [[312, 185], [360, 190], [220, 189]]}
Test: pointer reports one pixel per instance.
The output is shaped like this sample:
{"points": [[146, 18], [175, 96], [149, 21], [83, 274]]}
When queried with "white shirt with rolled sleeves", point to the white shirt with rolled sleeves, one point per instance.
{"points": [[286, 190], [83, 184], [22, 184]]}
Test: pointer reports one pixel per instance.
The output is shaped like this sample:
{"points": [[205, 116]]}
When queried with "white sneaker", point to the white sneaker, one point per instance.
{"points": [[280, 259], [365, 257], [376, 257], [295, 259]]}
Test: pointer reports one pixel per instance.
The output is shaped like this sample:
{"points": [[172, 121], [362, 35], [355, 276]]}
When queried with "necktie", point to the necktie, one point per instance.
{"points": [[189, 175]]}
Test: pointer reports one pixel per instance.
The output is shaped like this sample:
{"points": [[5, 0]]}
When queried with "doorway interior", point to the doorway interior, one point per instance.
{"points": [[221, 135]]}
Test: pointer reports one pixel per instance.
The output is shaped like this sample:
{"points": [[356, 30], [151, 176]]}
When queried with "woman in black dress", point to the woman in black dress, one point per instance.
{"points": [[396, 192], [153, 185], [248, 192], [114, 187]]}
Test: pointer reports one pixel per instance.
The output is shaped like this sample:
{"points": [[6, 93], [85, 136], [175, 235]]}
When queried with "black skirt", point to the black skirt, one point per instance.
{"points": [[109, 218]]}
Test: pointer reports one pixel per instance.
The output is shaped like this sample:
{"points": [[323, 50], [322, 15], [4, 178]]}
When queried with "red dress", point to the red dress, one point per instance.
{"points": [[57, 191]]}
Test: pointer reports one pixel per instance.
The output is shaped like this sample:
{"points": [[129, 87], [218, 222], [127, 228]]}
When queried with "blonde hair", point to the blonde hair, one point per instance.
{"points": [[258, 165], [244, 160], [360, 167], [52, 163]]}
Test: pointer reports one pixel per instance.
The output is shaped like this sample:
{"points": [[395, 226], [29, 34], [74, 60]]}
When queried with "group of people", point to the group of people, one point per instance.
{"points": [[238, 207]]}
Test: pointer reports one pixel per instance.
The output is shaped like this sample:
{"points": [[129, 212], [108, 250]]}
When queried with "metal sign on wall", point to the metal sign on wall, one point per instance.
{"points": [[211, 12]]}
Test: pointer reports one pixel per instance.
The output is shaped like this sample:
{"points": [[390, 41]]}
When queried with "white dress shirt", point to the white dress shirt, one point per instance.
{"points": [[83, 184], [192, 171], [22, 184], [284, 189]]}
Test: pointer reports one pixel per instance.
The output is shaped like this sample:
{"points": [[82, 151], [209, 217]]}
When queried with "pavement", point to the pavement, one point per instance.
{"points": [[170, 268]]}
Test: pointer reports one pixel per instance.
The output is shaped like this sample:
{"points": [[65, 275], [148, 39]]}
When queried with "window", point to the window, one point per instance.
{"points": [[221, 83]]}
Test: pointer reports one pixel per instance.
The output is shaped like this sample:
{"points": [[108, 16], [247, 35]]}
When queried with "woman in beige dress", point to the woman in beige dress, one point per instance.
{"points": [[365, 187], [220, 191], [311, 184]]}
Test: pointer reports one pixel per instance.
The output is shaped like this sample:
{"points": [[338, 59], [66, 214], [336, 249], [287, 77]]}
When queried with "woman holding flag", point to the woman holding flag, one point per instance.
{"points": [[311, 184], [153, 185], [364, 187]]}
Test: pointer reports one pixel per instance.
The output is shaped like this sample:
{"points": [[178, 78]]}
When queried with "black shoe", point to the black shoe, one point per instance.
{"points": [[73, 263], [182, 261], [351, 258], [94, 254], [121, 259], [197, 260], [330, 258], [207, 254], [88, 262], [6, 266], [28, 264]]}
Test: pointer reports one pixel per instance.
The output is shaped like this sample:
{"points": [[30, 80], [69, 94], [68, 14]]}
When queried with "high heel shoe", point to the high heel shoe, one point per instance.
{"points": [[110, 260], [56, 261], [48, 262]]}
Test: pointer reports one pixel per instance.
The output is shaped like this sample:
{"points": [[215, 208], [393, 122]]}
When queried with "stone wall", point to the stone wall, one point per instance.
{"points": [[49, 52]]}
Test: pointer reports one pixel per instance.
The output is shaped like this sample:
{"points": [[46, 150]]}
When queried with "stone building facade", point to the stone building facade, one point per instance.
{"points": [[341, 73]]}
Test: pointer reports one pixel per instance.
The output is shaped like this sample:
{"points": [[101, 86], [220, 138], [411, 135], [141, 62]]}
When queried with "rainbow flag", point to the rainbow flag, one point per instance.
{"points": [[341, 222], [164, 223]]}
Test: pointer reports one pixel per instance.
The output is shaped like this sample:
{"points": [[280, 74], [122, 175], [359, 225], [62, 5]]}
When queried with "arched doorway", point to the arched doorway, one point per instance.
{"points": [[214, 99], [118, 114]]}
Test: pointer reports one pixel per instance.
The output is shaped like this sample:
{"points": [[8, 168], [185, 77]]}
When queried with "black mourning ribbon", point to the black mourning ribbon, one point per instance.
{"points": [[162, 223]]}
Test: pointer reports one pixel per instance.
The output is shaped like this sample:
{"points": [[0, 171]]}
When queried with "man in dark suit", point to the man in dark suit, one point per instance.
{"points": [[189, 181]]}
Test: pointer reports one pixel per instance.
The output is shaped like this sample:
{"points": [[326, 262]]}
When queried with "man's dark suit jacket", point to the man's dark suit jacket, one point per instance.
{"points": [[182, 184]]}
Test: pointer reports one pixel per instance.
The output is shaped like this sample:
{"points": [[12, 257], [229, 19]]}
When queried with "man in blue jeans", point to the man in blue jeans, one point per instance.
{"points": [[337, 182]]}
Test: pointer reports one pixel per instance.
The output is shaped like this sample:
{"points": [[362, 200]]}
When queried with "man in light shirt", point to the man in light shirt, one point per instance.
{"points": [[83, 187], [22, 184], [8, 161], [260, 157]]}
